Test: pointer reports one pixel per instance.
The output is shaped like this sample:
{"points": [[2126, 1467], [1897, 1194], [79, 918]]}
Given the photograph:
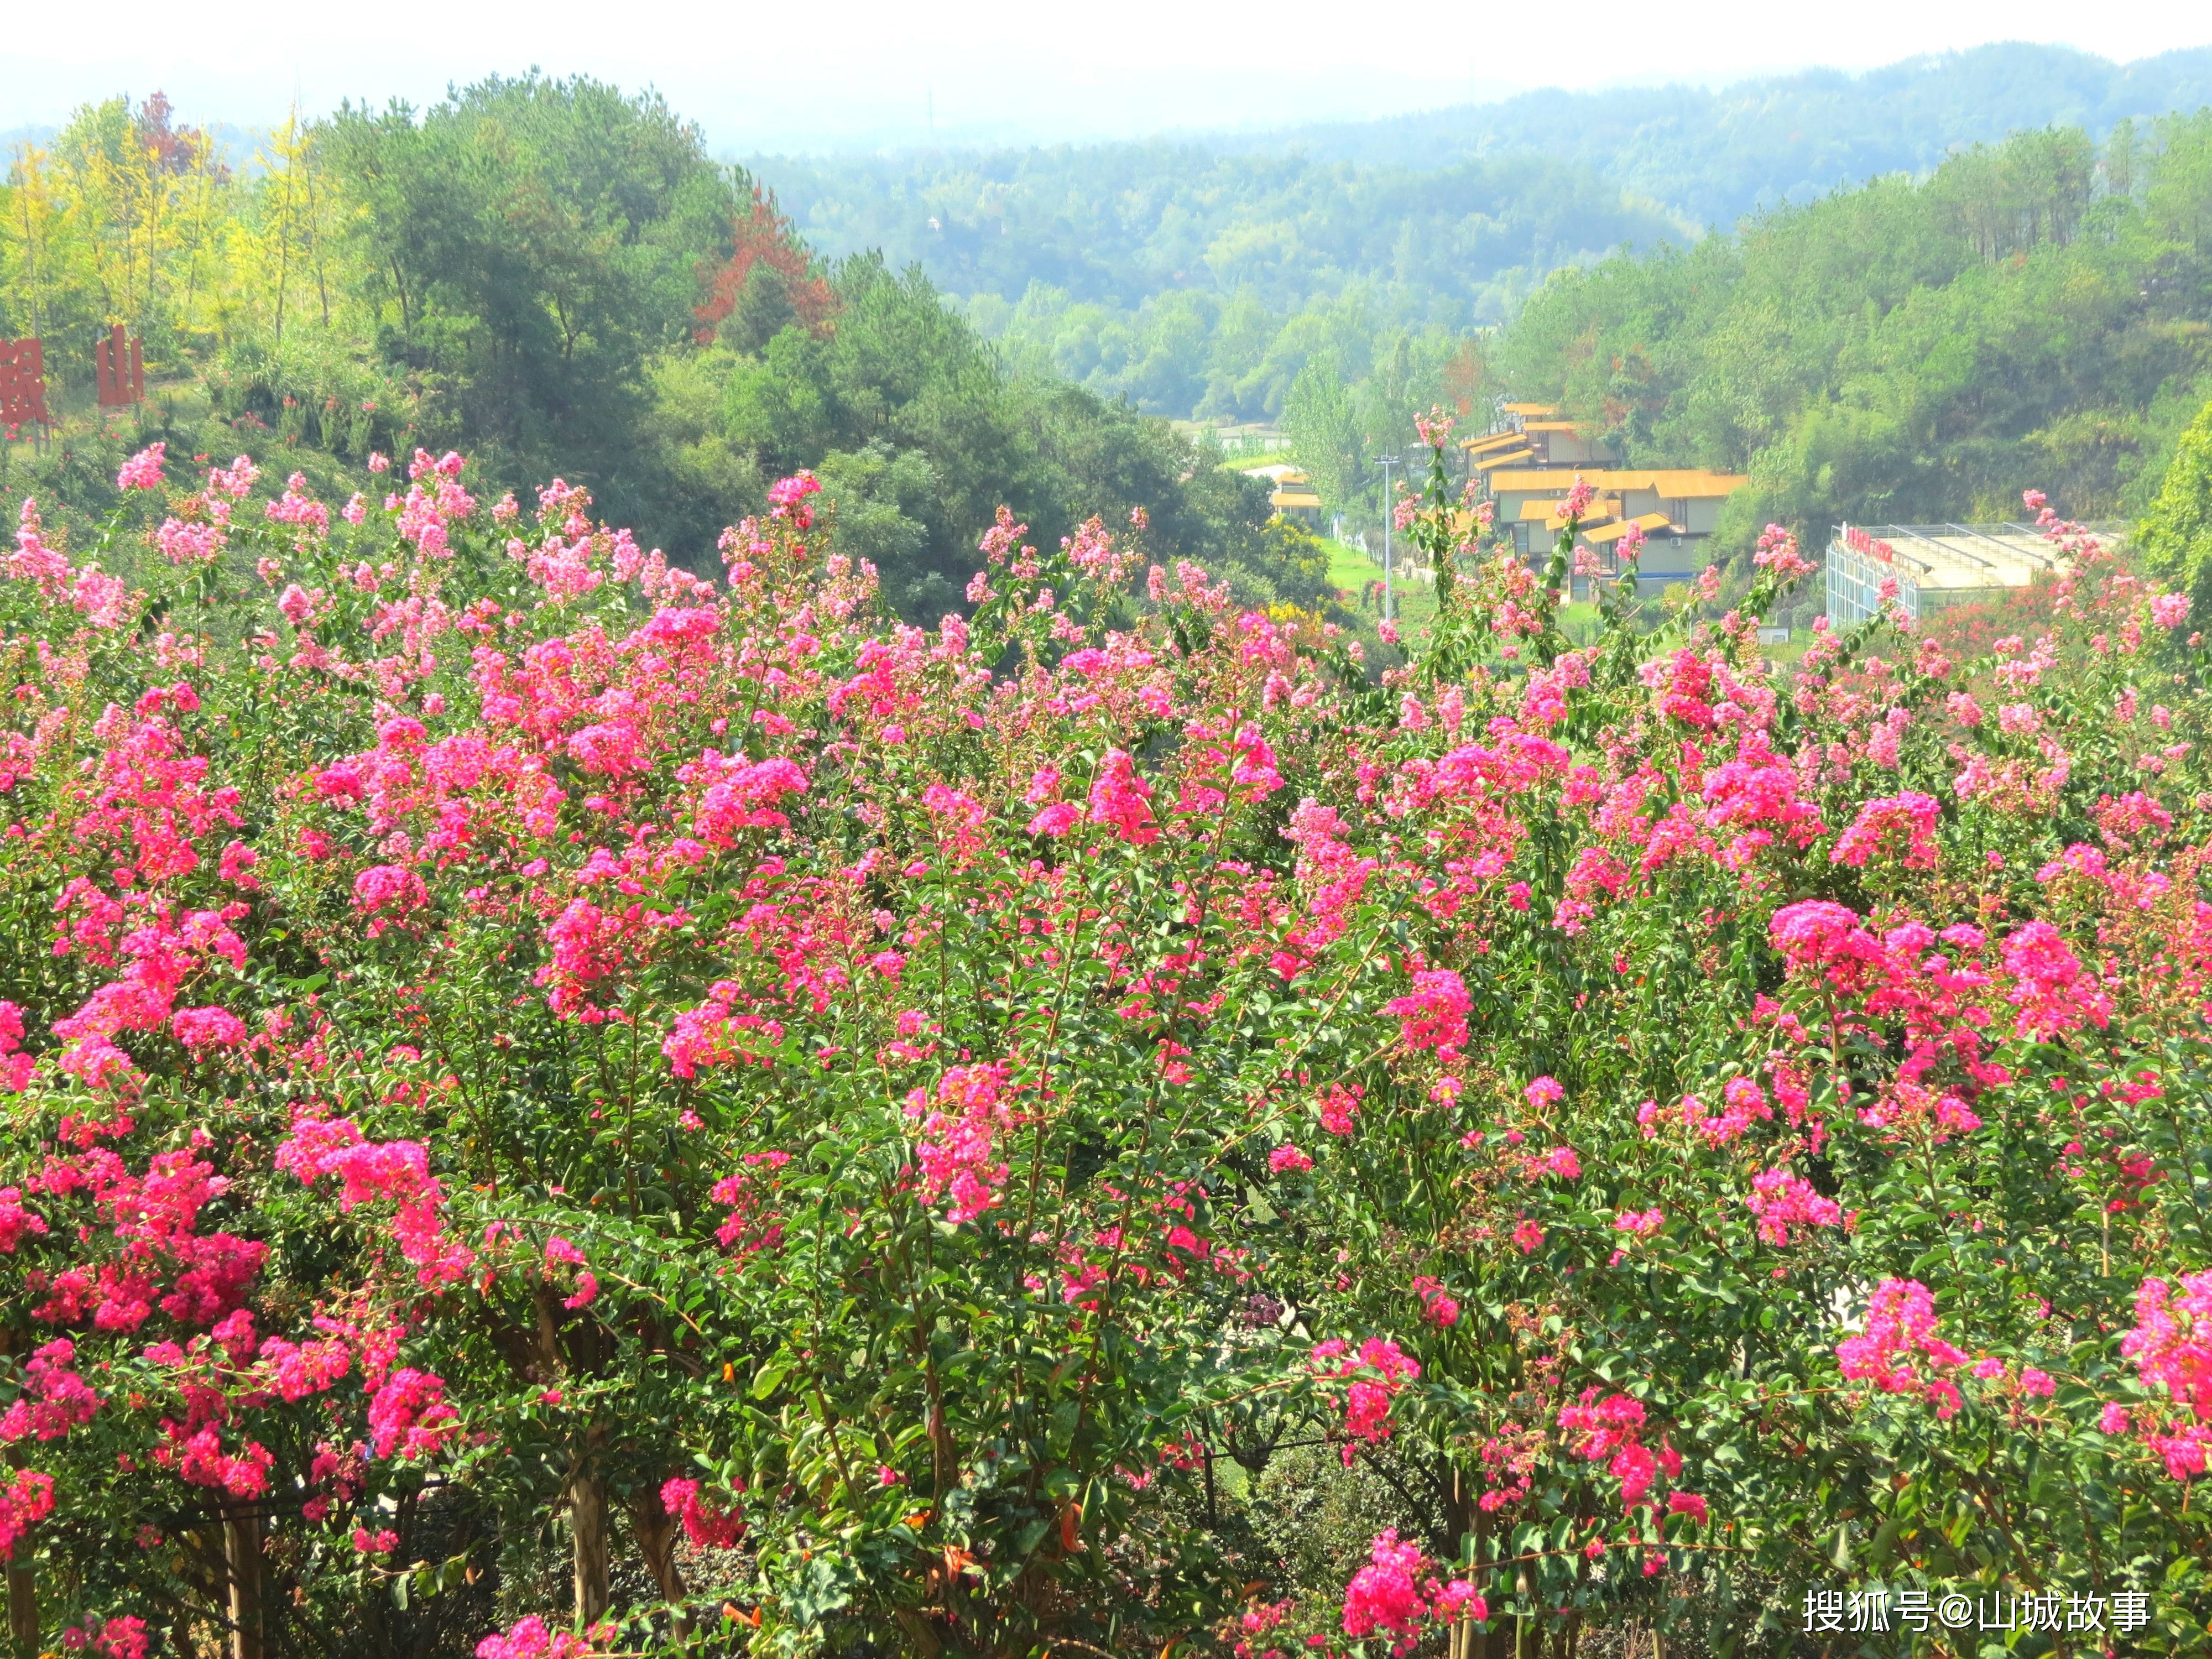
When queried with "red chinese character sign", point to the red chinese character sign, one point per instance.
{"points": [[1859, 542], [122, 371], [22, 382]]}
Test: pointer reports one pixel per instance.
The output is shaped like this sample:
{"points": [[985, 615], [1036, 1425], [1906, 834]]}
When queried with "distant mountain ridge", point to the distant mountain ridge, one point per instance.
{"points": [[1714, 154], [1702, 156]]}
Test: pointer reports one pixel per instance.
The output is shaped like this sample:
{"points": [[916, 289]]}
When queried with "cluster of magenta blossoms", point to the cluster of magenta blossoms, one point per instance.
{"points": [[550, 1105]]}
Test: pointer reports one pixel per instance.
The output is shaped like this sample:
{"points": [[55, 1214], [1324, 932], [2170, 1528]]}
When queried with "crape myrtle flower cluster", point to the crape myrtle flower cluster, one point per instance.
{"points": [[855, 1118]]}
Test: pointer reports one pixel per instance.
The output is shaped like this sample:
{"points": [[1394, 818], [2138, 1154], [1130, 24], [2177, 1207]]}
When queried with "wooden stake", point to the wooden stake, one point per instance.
{"points": [[241, 1538], [587, 1518]]}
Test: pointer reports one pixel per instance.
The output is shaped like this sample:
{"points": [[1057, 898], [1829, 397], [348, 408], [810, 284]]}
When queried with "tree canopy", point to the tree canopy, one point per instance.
{"points": [[556, 274]]}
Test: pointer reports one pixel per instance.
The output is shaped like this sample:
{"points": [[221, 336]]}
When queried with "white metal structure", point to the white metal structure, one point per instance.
{"points": [[1935, 566]]}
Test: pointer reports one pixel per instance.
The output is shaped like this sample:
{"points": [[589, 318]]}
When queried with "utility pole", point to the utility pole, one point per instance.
{"points": [[1386, 462]]}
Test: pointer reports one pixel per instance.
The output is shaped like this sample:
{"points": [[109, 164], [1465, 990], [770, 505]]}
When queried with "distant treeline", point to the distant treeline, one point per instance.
{"points": [[1198, 277], [1198, 283], [1712, 155]]}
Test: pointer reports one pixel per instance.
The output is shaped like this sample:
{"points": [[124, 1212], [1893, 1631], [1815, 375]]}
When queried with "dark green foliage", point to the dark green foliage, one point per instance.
{"points": [[532, 243], [2177, 535], [920, 435], [541, 273]]}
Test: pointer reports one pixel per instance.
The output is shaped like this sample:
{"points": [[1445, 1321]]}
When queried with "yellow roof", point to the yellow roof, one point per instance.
{"points": [[1512, 458], [1603, 507], [1613, 532], [1551, 426], [1675, 482], [1540, 411], [1294, 498], [1495, 440], [1682, 482]]}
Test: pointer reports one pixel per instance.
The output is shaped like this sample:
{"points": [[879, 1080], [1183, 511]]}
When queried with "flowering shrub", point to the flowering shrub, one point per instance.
{"points": [[849, 1125]]}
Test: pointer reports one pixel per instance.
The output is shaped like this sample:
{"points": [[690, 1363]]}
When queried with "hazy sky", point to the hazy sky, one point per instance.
{"points": [[868, 72]]}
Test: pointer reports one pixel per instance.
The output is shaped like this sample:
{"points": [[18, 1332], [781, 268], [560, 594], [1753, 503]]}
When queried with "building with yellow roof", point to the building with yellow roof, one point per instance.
{"points": [[1494, 443], [1523, 456], [1534, 436], [1534, 457], [1295, 497], [1677, 508], [1546, 512]]}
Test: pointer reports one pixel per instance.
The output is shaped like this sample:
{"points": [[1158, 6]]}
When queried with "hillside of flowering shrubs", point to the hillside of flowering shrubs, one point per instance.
{"points": [[557, 1106]]}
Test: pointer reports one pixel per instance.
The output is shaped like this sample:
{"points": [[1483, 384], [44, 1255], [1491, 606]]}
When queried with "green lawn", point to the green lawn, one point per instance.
{"points": [[1579, 621], [1348, 568]]}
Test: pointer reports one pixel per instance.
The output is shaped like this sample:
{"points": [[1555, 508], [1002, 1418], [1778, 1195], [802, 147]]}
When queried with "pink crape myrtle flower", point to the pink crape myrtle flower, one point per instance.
{"points": [[560, 1253], [1777, 553], [1911, 815], [409, 1418], [1608, 1429], [1781, 1201], [529, 1638], [144, 470], [705, 1524], [1434, 1015], [1340, 1108], [1122, 801], [959, 1129], [1374, 1375], [1900, 1352], [27, 1499], [2172, 1348], [208, 1028], [1822, 937], [1398, 1594], [55, 1397], [1435, 426], [2051, 989], [120, 1637], [1436, 1307], [386, 894]]}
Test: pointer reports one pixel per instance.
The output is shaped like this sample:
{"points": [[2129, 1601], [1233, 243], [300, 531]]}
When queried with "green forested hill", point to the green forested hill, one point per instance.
{"points": [[1198, 276], [1194, 281], [2038, 313], [555, 277], [558, 277]]}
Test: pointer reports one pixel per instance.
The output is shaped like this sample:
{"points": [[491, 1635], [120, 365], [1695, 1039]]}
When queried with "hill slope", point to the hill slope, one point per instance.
{"points": [[1198, 276]]}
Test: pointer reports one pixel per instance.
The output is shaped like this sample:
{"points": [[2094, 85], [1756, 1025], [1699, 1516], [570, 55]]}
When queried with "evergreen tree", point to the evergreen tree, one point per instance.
{"points": [[1323, 430], [2175, 538]]}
